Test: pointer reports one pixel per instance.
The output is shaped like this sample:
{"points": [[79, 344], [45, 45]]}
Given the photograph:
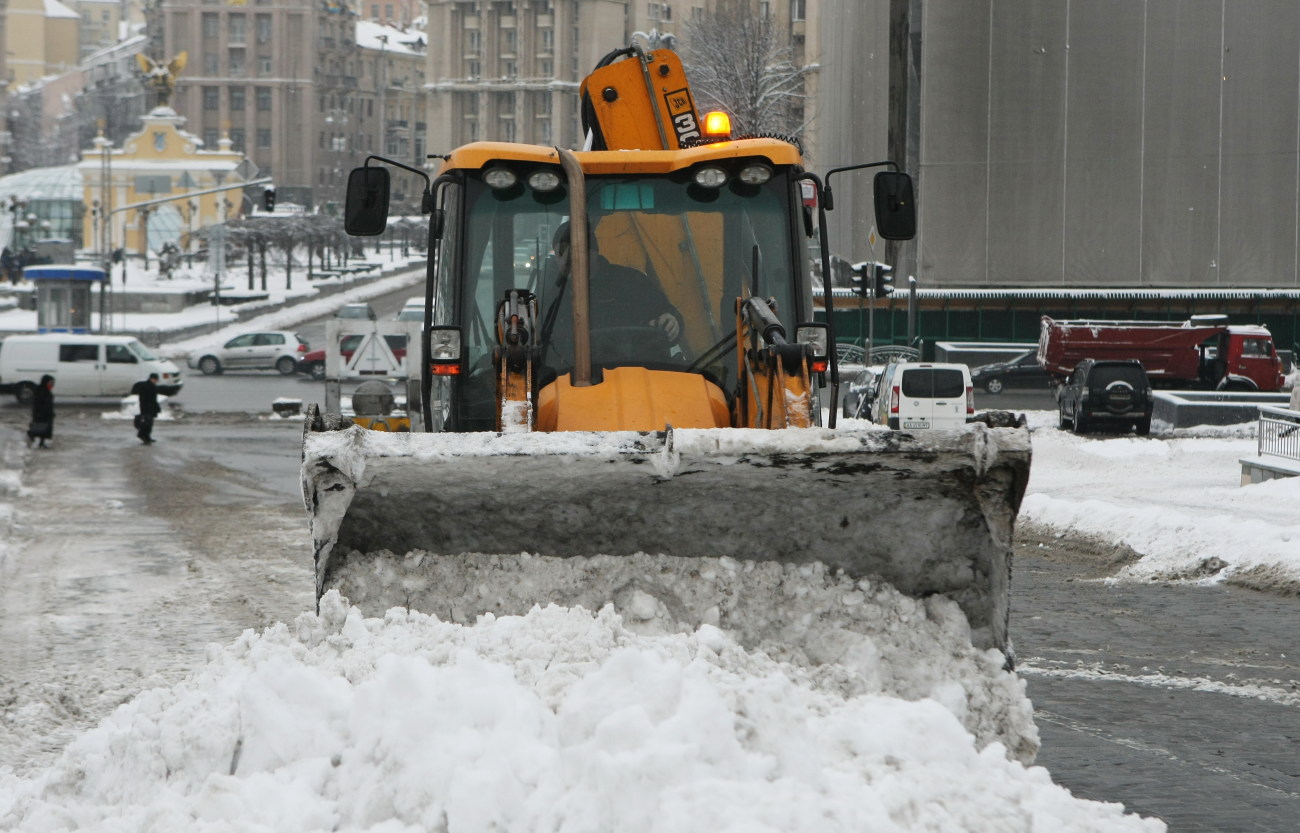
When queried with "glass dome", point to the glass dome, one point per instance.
{"points": [[40, 204]]}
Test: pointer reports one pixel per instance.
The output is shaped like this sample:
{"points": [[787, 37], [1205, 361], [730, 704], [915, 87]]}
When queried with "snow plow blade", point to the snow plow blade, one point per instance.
{"points": [[456, 525]]}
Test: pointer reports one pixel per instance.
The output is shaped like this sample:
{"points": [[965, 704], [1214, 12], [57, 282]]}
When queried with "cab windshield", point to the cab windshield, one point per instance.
{"points": [[668, 260]]}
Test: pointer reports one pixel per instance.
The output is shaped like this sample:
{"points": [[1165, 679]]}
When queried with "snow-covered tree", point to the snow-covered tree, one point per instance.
{"points": [[739, 61]]}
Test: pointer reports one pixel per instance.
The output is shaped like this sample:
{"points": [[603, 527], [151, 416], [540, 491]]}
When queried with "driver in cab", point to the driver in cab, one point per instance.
{"points": [[621, 298]]}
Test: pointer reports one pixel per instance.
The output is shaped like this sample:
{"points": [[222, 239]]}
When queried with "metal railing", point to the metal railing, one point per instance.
{"points": [[1279, 433]]}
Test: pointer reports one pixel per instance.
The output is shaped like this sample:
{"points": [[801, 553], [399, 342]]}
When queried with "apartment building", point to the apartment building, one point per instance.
{"points": [[298, 85], [509, 70]]}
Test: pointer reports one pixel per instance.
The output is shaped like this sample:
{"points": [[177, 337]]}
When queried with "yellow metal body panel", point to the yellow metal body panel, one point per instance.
{"points": [[632, 399], [477, 155]]}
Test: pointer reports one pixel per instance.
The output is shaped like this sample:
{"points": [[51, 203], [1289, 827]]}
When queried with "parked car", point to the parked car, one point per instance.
{"points": [[1022, 372], [363, 311], [924, 395], [313, 363], [1110, 393], [409, 313], [277, 350]]}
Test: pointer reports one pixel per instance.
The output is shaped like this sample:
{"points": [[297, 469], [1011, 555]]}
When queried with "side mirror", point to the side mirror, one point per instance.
{"points": [[895, 206], [365, 213]]}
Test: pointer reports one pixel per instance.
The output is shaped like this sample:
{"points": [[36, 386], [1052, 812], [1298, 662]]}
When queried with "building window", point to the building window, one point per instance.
{"points": [[263, 24], [263, 137], [473, 41], [211, 25], [509, 41], [210, 138], [264, 64], [237, 65], [548, 40], [388, 12], [211, 63], [546, 67], [474, 69], [797, 9], [238, 28], [264, 98], [237, 139], [236, 98], [765, 10], [211, 98]]}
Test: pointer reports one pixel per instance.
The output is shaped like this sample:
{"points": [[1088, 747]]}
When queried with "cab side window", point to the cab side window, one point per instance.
{"points": [[245, 340], [266, 339], [119, 354], [78, 352]]}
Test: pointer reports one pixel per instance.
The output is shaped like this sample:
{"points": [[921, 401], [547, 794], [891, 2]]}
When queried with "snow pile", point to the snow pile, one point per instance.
{"points": [[1178, 502], [855, 636], [555, 720]]}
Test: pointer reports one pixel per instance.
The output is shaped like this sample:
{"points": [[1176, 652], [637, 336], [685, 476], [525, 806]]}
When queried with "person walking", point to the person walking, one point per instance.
{"points": [[42, 425], [147, 393]]}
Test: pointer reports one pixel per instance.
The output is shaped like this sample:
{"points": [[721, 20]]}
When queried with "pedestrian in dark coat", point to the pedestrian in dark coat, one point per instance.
{"points": [[147, 392], [42, 426]]}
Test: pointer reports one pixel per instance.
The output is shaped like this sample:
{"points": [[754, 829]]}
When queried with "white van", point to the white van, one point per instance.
{"points": [[82, 365], [921, 395]]}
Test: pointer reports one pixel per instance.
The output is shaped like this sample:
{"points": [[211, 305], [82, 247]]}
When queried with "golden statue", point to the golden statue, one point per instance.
{"points": [[161, 78]]}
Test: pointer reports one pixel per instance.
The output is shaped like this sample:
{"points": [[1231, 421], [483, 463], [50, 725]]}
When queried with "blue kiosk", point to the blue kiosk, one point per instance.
{"points": [[63, 296]]}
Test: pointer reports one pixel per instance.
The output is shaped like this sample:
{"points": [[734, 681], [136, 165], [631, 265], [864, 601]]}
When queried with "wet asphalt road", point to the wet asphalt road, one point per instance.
{"points": [[1179, 702]]}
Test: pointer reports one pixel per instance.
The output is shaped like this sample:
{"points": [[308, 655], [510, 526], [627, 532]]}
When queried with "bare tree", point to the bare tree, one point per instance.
{"points": [[737, 60]]}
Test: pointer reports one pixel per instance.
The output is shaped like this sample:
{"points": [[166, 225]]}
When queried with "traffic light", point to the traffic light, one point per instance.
{"points": [[268, 199], [883, 279]]}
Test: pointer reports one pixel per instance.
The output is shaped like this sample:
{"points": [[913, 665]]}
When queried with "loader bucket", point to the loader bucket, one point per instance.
{"points": [[668, 526]]}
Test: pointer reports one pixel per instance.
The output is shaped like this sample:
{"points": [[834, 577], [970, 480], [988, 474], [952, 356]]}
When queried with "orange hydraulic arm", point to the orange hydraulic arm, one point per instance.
{"points": [[775, 375], [643, 103]]}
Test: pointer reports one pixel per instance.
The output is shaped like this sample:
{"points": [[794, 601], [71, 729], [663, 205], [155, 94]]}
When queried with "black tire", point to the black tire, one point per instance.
{"points": [[286, 365], [1080, 424], [993, 386], [210, 366], [317, 371], [1061, 421], [1143, 426], [25, 393]]}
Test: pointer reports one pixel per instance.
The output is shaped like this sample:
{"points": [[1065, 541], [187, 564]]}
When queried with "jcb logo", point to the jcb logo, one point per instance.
{"points": [[682, 110]]}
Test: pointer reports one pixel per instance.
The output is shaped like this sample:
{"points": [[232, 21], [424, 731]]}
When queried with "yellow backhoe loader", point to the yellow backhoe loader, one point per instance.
{"points": [[620, 394]]}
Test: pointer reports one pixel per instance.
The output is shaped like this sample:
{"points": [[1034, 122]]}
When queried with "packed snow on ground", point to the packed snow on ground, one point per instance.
{"points": [[1176, 500]]}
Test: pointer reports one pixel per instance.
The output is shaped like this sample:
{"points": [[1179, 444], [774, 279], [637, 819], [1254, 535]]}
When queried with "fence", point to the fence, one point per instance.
{"points": [[1279, 433]]}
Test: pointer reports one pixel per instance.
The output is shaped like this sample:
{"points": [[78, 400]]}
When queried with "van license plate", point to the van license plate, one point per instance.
{"points": [[916, 424]]}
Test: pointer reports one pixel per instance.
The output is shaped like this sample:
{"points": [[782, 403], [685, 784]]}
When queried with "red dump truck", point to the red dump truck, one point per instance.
{"points": [[1202, 353]]}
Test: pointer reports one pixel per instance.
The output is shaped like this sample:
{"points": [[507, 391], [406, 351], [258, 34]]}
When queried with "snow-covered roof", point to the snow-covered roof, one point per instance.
{"points": [[53, 8], [370, 35]]}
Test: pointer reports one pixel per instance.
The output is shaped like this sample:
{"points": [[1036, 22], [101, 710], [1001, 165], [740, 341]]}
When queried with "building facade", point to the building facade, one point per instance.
{"points": [[289, 84]]}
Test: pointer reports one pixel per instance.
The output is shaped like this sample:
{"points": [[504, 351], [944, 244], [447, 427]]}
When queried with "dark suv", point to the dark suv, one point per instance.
{"points": [[1113, 394]]}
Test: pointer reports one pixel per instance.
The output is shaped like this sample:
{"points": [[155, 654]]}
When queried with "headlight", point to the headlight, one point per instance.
{"points": [[755, 174], [710, 176], [544, 180], [499, 177]]}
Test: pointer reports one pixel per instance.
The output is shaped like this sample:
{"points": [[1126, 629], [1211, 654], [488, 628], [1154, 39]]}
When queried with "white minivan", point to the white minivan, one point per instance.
{"points": [[82, 365], [921, 395]]}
